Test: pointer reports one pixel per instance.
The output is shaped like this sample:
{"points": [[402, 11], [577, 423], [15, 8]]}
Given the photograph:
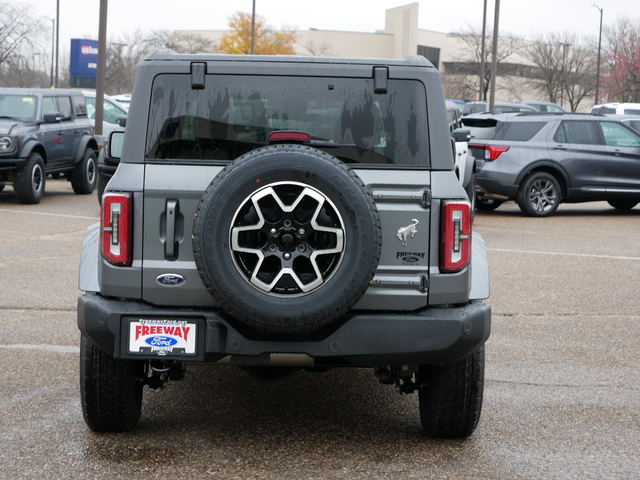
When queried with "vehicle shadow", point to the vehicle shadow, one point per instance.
{"points": [[222, 421]]}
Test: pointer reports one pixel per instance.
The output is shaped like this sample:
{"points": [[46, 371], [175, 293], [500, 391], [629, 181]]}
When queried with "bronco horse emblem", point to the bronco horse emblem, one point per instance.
{"points": [[404, 233]]}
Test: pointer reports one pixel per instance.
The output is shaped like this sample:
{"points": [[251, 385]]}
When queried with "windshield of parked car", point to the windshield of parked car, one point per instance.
{"points": [[233, 115], [18, 107]]}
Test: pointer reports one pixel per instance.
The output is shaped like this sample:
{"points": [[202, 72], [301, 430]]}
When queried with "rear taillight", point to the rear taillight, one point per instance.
{"points": [[456, 235], [491, 152], [115, 228]]}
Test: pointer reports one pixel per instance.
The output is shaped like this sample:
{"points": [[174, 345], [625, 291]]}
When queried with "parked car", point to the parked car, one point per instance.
{"points": [[112, 111], [544, 106], [107, 164], [617, 109], [281, 213], [632, 121], [123, 98], [498, 107], [459, 103], [542, 160], [453, 112], [45, 132]]}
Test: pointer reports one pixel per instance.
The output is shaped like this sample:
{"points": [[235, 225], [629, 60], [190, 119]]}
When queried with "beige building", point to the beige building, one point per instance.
{"points": [[400, 37]]}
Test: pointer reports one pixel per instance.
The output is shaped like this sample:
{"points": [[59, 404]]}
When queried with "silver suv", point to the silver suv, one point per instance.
{"points": [[543, 160], [280, 214]]}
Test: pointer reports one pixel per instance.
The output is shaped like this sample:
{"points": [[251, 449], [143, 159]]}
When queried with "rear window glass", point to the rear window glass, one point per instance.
{"points": [[519, 131], [480, 127], [233, 115], [632, 111], [603, 110]]}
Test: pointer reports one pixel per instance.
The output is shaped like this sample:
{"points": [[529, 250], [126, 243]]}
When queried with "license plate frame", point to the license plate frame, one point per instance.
{"points": [[162, 337]]}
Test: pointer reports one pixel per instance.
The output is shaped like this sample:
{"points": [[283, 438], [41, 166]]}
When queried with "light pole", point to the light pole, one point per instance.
{"points": [[484, 36], [57, 40], [599, 48], [563, 82], [494, 58], [253, 28], [53, 44]]}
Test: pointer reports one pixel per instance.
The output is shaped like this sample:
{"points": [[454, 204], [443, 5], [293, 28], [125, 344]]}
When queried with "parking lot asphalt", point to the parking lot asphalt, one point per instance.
{"points": [[562, 394]]}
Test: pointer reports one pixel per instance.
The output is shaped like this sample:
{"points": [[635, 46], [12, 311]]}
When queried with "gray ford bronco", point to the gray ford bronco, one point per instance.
{"points": [[45, 132], [280, 214]]}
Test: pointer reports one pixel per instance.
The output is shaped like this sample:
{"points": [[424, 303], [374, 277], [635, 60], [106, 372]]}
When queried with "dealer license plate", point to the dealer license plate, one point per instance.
{"points": [[162, 337]]}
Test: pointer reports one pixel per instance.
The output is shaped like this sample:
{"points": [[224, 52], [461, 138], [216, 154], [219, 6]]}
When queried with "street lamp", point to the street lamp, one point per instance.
{"points": [[599, 48], [53, 42]]}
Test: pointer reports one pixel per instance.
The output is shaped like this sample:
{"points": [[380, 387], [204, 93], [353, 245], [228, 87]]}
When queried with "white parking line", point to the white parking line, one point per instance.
{"points": [[611, 257], [50, 348], [47, 214]]}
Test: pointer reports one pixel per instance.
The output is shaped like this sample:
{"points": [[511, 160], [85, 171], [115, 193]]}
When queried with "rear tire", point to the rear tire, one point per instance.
{"points": [[539, 195], [110, 389], [450, 396], [622, 204], [28, 184], [487, 204], [83, 178]]}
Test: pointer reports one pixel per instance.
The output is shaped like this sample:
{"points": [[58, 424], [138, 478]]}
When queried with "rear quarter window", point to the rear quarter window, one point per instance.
{"points": [[519, 131]]}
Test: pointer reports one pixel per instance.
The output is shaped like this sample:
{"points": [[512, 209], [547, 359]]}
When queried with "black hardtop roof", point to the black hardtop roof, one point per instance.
{"points": [[170, 55]]}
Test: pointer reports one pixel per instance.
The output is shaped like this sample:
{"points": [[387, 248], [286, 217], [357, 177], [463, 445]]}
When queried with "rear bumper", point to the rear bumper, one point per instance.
{"points": [[492, 188], [431, 336]]}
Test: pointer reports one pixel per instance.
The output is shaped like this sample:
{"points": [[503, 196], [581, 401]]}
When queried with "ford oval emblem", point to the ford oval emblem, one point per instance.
{"points": [[170, 280], [161, 341]]}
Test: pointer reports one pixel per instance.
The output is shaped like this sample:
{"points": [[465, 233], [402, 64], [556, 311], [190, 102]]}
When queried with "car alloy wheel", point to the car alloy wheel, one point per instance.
{"points": [[539, 195], [287, 239]]}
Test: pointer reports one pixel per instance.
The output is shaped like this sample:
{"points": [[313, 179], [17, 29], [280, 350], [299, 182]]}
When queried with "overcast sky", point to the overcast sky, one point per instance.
{"points": [[80, 18]]}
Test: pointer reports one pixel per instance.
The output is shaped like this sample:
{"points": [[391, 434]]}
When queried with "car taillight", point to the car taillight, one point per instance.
{"points": [[491, 152], [456, 235], [115, 228]]}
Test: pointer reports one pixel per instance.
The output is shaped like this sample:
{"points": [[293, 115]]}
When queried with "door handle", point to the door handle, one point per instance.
{"points": [[170, 247]]}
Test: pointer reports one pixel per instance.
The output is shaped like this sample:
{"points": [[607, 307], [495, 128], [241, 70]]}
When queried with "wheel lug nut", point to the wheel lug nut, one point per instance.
{"points": [[273, 231], [287, 256], [287, 223], [272, 247], [301, 231], [301, 247]]}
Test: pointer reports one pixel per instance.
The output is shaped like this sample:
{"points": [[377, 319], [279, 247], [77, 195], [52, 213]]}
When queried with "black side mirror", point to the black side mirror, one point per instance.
{"points": [[52, 117], [122, 121], [461, 135]]}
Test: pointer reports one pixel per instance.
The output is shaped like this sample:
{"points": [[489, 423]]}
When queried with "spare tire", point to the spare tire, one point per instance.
{"points": [[287, 239]]}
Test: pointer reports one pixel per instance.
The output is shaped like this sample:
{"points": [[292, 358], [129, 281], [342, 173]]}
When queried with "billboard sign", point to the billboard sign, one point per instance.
{"points": [[84, 58]]}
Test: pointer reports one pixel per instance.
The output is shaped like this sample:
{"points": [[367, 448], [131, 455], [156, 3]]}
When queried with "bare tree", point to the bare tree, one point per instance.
{"points": [[464, 72], [621, 67], [564, 67], [322, 49], [181, 42], [20, 32], [124, 54]]}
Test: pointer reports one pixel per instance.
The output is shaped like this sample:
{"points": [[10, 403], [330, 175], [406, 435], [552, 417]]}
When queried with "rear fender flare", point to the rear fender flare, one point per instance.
{"points": [[88, 279], [85, 142], [549, 167], [479, 288]]}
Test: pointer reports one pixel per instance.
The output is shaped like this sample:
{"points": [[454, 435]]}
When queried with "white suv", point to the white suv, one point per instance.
{"points": [[617, 109]]}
